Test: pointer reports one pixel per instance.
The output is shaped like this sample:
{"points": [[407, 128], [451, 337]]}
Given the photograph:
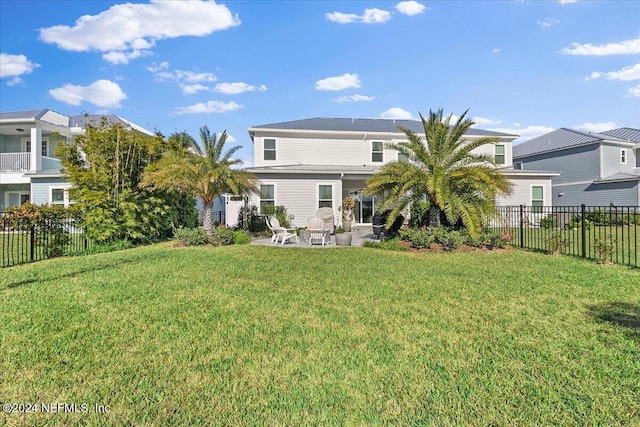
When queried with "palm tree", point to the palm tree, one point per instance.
{"points": [[204, 172], [444, 169]]}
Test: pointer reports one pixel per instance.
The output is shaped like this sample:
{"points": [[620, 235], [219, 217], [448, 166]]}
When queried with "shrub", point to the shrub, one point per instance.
{"points": [[604, 249], [555, 242], [114, 245], [419, 214], [280, 212], [241, 237], [548, 222], [576, 222], [389, 245], [440, 234], [191, 236], [221, 236], [249, 219], [421, 239]]}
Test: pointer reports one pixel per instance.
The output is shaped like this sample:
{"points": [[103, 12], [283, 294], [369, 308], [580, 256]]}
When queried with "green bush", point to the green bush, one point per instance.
{"points": [[191, 236], [555, 242], [419, 238], [548, 222], [419, 214], [280, 212], [389, 245], [249, 219], [604, 249], [221, 236], [241, 237], [114, 245]]}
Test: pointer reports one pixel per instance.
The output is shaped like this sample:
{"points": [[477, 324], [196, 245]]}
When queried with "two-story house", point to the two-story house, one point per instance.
{"points": [[29, 169], [312, 163], [597, 169]]}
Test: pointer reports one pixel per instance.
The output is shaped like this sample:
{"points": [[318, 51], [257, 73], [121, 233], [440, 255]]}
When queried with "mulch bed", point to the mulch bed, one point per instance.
{"points": [[437, 247]]}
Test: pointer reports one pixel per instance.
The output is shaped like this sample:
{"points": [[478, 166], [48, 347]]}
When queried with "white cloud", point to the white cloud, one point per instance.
{"points": [[397, 113], [236, 88], [482, 121], [101, 93], [496, 50], [410, 8], [596, 127], [622, 48], [634, 91], [526, 133], [15, 81], [354, 98], [344, 81], [195, 88], [629, 73], [209, 107], [15, 65], [127, 31], [548, 22], [342, 18], [375, 16], [369, 16], [567, 1]]}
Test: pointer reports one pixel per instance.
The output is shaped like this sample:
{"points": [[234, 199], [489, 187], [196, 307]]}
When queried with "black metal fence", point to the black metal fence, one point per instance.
{"points": [[25, 240], [604, 233]]}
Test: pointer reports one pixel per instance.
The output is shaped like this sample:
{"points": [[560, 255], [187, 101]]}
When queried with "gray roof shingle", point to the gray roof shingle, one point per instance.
{"points": [[559, 139], [23, 115], [363, 125]]}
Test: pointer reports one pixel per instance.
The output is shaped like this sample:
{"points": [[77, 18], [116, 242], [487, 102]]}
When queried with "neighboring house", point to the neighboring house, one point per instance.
{"points": [[597, 169], [312, 163], [29, 169]]}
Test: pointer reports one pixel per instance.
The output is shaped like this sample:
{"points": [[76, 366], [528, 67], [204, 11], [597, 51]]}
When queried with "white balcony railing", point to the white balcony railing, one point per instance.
{"points": [[15, 162]]}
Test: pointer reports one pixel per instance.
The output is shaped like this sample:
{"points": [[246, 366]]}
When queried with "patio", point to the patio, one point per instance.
{"points": [[359, 235]]}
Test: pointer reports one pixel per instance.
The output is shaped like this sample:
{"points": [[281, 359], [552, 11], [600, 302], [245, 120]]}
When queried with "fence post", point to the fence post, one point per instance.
{"points": [[521, 226], [583, 230], [33, 242]]}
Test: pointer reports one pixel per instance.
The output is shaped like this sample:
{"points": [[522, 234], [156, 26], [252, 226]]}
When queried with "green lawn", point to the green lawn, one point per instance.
{"points": [[251, 335]]}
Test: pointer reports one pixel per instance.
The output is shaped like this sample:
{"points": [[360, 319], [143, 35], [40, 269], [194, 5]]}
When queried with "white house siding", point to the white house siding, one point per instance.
{"points": [[299, 194], [521, 191]]}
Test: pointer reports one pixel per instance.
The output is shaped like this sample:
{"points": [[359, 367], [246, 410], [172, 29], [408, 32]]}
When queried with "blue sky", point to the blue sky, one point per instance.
{"points": [[523, 67]]}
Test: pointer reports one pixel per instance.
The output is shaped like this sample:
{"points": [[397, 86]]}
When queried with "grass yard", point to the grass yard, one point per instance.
{"points": [[250, 335]]}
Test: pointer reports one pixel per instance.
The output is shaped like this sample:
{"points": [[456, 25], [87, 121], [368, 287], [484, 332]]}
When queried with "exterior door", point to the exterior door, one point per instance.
{"points": [[365, 207]]}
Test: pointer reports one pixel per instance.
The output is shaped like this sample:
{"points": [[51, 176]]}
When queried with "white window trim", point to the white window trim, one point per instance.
{"points": [[66, 202], [264, 149], [504, 154], [333, 193], [623, 156], [19, 192], [45, 143], [544, 194], [275, 195], [372, 152]]}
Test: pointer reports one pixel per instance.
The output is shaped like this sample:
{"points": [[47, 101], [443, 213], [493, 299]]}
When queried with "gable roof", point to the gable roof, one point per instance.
{"points": [[23, 115], [560, 139], [362, 125], [628, 134]]}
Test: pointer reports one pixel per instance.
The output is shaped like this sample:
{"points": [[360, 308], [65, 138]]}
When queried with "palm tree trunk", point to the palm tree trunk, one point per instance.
{"points": [[207, 222], [434, 215]]}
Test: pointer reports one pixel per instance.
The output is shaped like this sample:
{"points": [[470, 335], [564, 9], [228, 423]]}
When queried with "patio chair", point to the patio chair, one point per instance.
{"points": [[281, 233], [317, 231], [274, 234]]}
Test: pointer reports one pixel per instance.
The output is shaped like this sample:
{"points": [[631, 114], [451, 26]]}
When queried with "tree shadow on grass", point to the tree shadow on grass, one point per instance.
{"points": [[82, 270], [624, 315]]}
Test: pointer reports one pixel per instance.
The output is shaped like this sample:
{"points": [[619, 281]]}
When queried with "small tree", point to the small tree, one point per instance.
{"points": [[203, 171], [105, 166]]}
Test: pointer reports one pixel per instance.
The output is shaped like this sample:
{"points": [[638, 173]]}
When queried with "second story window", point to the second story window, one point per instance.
{"points": [[499, 157], [376, 151], [623, 156], [269, 149]]}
